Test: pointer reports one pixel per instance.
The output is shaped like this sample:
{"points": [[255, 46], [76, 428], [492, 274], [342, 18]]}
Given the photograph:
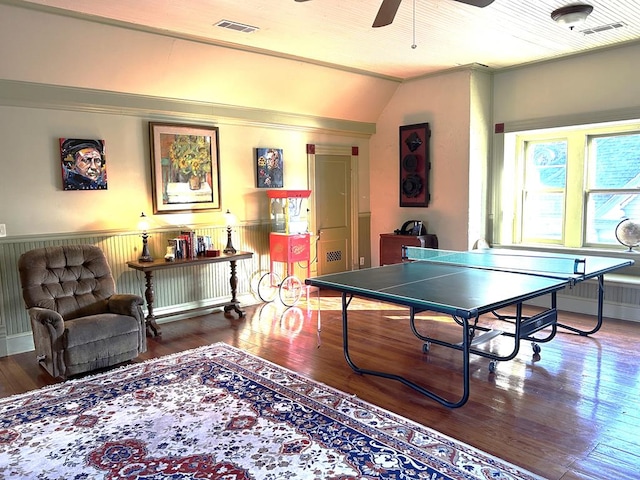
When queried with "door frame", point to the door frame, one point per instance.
{"points": [[341, 150]]}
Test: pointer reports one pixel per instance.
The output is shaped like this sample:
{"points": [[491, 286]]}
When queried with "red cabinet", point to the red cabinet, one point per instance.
{"points": [[290, 249]]}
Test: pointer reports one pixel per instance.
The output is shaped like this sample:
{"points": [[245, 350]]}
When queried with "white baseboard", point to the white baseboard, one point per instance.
{"points": [[189, 310], [20, 343]]}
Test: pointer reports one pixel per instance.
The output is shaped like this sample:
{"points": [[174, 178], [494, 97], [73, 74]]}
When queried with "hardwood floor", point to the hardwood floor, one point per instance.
{"points": [[571, 414]]}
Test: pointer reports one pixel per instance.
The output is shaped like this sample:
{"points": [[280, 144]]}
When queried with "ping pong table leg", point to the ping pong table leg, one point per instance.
{"points": [[585, 333], [346, 300], [524, 329], [319, 309]]}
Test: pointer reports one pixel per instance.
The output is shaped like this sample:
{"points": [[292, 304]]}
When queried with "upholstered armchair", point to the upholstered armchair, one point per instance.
{"points": [[79, 323]]}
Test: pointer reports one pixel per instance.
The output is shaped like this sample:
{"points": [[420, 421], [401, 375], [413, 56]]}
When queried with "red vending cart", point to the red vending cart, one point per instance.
{"points": [[289, 243]]}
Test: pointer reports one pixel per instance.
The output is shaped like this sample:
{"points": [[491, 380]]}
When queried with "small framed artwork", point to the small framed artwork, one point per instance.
{"points": [[269, 167], [185, 168], [414, 165], [84, 164]]}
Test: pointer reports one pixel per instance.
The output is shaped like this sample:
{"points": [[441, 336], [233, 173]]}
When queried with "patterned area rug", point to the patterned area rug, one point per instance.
{"points": [[220, 413]]}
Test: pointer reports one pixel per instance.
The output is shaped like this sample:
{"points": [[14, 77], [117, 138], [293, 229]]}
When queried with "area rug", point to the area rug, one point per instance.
{"points": [[220, 413]]}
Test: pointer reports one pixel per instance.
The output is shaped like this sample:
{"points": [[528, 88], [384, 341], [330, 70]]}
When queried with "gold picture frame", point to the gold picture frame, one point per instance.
{"points": [[185, 167]]}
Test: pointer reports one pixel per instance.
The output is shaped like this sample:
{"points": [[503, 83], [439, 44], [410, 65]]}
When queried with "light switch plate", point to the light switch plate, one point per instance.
{"points": [[3, 230]]}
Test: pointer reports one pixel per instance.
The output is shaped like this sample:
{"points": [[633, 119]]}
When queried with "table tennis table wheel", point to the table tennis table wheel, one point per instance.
{"points": [[493, 364], [426, 347], [536, 348]]}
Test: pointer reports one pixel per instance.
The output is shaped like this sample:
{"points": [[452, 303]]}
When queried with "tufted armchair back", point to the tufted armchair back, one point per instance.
{"points": [[73, 280]]}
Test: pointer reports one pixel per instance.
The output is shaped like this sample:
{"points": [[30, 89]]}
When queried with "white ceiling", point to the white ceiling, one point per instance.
{"points": [[338, 32]]}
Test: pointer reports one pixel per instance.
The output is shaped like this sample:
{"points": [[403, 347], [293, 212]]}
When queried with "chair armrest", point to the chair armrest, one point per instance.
{"points": [[129, 304], [48, 337], [125, 304], [51, 320]]}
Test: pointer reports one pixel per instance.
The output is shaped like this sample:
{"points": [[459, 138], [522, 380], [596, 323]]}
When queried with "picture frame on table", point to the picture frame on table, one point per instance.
{"points": [[185, 167]]}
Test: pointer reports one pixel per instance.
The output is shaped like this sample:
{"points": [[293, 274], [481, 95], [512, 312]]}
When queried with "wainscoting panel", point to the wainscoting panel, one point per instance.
{"points": [[175, 290]]}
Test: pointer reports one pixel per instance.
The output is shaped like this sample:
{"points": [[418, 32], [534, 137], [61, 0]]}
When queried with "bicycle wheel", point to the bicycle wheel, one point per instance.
{"points": [[290, 290], [268, 287]]}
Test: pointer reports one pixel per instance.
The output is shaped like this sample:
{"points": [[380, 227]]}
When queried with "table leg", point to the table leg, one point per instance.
{"points": [[233, 282], [598, 325], [465, 347], [152, 326]]}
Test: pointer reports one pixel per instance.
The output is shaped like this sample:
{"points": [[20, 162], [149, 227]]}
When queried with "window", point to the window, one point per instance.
{"points": [[545, 181], [613, 188], [570, 187]]}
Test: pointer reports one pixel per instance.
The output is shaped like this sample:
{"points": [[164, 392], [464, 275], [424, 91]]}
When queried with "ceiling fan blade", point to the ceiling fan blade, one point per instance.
{"points": [[387, 13], [475, 3], [389, 8]]}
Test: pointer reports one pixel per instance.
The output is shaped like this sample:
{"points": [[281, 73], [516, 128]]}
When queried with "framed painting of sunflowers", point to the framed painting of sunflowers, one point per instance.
{"points": [[185, 167]]}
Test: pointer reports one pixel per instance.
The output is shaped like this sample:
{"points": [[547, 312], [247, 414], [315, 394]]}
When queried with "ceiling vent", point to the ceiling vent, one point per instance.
{"points": [[238, 27], [603, 28]]}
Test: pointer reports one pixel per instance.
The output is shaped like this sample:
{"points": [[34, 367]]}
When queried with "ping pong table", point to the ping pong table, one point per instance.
{"points": [[467, 285]]}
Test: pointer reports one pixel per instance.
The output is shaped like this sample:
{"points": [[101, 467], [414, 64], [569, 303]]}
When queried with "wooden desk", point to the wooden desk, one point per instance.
{"points": [[149, 267], [391, 245]]}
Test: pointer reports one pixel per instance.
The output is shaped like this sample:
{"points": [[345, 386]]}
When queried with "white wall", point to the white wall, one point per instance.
{"points": [[444, 102], [589, 88], [34, 188], [46, 48], [581, 85], [479, 156], [255, 100], [457, 104], [33, 201]]}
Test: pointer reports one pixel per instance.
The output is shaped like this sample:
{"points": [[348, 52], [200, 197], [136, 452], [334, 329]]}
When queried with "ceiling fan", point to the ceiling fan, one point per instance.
{"points": [[388, 9]]}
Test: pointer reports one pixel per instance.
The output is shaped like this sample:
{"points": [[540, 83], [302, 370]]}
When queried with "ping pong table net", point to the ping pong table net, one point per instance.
{"points": [[532, 263]]}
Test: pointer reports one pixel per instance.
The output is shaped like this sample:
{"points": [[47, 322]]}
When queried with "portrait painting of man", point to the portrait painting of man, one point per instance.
{"points": [[83, 164], [269, 165]]}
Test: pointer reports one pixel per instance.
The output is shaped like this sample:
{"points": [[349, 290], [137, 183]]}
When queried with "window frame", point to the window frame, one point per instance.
{"points": [[524, 143], [509, 170]]}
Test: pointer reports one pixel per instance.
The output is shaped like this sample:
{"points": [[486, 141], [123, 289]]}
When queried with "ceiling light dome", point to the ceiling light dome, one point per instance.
{"points": [[572, 15]]}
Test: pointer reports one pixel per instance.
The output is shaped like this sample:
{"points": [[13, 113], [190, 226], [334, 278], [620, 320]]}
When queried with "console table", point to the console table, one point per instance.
{"points": [[391, 245], [149, 267]]}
